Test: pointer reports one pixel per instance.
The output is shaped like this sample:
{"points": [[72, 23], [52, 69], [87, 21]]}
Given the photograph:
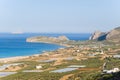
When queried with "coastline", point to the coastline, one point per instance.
{"points": [[18, 58], [10, 59], [59, 44], [60, 40]]}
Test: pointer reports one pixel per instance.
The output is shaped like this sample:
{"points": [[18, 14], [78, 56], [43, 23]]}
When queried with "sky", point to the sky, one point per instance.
{"points": [[59, 16]]}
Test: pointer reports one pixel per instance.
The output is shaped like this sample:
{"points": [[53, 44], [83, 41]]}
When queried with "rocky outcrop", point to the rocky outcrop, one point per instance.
{"points": [[112, 36], [64, 38], [45, 39], [96, 35]]}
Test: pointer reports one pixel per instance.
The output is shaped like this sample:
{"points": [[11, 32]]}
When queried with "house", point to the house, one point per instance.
{"points": [[116, 56], [38, 67], [102, 52], [111, 71], [77, 66]]}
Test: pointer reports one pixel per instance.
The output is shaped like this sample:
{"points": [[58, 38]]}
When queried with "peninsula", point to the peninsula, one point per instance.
{"points": [[61, 40]]}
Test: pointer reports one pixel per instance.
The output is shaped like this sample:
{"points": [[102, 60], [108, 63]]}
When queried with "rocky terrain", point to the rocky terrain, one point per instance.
{"points": [[45, 39], [112, 36], [96, 35]]}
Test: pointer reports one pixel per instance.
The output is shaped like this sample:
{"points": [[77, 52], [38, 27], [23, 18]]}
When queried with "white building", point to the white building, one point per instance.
{"points": [[116, 56], [111, 71], [38, 67]]}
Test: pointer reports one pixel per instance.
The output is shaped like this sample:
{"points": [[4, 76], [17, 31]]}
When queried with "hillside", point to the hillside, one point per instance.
{"points": [[112, 36]]}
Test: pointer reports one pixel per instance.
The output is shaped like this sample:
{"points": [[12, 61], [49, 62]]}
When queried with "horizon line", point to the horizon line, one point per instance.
{"points": [[49, 32]]}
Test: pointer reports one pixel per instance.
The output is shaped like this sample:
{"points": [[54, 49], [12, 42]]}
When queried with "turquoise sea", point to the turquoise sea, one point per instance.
{"points": [[12, 45]]}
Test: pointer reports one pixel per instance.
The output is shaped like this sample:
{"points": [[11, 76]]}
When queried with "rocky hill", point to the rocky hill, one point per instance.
{"points": [[112, 36], [96, 35], [45, 39]]}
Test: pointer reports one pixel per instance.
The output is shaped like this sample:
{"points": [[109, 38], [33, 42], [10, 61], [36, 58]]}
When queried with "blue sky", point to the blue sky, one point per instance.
{"points": [[63, 16]]}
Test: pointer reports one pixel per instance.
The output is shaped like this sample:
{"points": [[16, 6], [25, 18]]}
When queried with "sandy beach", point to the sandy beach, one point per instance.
{"points": [[5, 60]]}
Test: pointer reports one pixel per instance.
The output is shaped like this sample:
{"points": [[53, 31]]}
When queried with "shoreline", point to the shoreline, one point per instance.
{"points": [[60, 40], [9, 59], [17, 58]]}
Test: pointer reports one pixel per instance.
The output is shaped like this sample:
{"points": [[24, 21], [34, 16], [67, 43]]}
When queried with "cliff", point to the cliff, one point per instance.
{"points": [[96, 35], [112, 36], [45, 39]]}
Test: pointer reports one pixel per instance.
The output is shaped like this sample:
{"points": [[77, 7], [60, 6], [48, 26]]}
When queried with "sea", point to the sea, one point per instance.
{"points": [[13, 45]]}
